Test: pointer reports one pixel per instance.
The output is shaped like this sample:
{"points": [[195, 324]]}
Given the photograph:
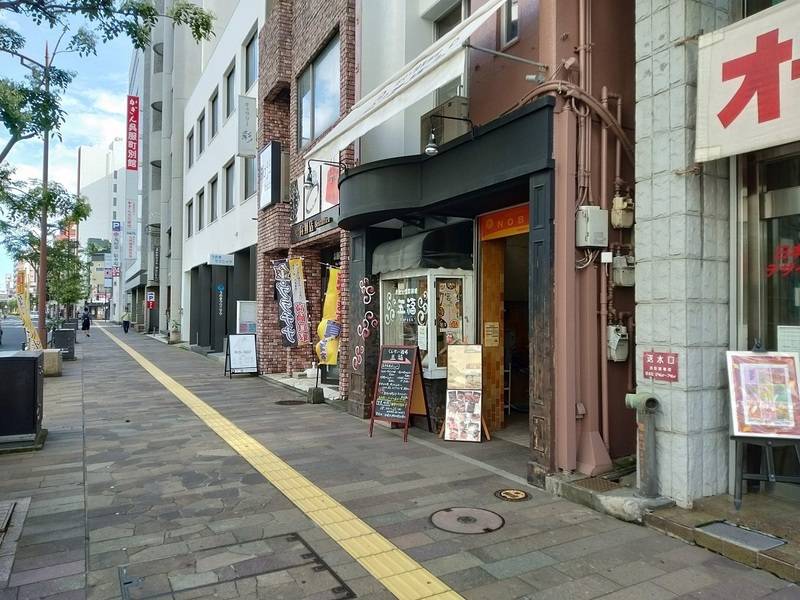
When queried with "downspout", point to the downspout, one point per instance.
{"points": [[604, 280]]}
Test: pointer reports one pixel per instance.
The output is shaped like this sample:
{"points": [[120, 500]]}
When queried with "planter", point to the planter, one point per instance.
{"points": [[174, 337]]}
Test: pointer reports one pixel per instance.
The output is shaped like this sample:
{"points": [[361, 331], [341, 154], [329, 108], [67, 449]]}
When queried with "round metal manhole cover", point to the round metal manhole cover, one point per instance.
{"points": [[290, 402], [512, 495], [467, 520]]}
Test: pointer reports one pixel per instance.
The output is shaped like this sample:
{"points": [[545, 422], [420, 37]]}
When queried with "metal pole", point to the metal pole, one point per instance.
{"points": [[42, 288]]}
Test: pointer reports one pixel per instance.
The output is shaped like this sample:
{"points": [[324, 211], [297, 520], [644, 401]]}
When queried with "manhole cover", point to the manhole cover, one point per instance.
{"points": [[290, 402], [597, 484], [512, 495], [467, 520], [741, 536]]}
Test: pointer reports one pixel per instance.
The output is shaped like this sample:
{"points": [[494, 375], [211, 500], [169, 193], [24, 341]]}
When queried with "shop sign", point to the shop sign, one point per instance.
{"points": [[330, 185], [220, 299], [504, 223], [748, 82], [399, 391], [784, 258], [269, 175], [299, 297], [283, 295], [132, 140], [313, 226], [327, 348], [220, 260], [247, 127], [242, 355], [660, 366], [246, 313]]}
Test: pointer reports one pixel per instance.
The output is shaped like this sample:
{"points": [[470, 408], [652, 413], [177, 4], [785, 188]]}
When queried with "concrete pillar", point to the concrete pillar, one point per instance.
{"points": [[682, 249]]}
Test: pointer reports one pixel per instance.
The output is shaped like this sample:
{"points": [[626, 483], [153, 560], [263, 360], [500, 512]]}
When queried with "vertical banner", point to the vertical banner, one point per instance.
{"points": [[283, 294], [132, 140], [299, 297], [327, 347], [247, 127]]}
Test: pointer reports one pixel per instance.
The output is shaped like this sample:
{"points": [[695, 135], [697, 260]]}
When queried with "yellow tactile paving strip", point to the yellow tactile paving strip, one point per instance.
{"points": [[399, 573]]}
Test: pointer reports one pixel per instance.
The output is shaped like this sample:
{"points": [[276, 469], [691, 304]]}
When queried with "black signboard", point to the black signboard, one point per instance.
{"points": [[399, 391], [283, 295]]}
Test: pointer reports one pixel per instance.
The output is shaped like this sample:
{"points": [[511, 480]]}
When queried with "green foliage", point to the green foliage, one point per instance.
{"points": [[11, 305], [67, 274]]}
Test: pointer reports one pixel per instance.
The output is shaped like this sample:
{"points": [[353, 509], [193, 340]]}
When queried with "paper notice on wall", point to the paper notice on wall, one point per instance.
{"points": [[422, 337], [788, 338]]}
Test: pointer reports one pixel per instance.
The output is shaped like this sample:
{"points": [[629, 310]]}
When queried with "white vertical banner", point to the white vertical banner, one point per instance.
{"points": [[248, 127]]}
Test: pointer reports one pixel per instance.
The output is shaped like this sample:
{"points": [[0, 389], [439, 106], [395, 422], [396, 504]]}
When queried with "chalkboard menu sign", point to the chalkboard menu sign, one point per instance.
{"points": [[398, 387]]}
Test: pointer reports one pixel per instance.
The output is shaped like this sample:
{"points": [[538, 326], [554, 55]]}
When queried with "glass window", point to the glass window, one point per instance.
{"points": [[751, 7], [405, 313], [230, 91], [449, 316], [318, 94], [114, 217], [189, 218], [201, 133], [190, 148], [229, 184], [444, 25], [115, 188], [212, 199], [214, 113], [155, 176], [158, 57], [157, 116], [201, 200], [251, 62], [510, 21], [249, 177]]}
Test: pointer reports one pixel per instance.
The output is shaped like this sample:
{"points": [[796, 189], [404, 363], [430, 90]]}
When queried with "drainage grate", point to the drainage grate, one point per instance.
{"points": [[6, 509], [281, 566], [290, 402], [597, 484], [741, 536], [512, 495], [467, 520]]}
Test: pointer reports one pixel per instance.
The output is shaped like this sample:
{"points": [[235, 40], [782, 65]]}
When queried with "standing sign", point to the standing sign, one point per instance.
{"points": [[329, 328], [247, 127], [764, 394], [283, 295], [463, 416], [241, 356], [748, 82], [246, 311], [132, 140], [399, 391]]}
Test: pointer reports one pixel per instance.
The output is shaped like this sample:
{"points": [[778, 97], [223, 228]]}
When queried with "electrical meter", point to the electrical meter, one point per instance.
{"points": [[617, 343], [591, 227], [622, 270], [622, 212]]}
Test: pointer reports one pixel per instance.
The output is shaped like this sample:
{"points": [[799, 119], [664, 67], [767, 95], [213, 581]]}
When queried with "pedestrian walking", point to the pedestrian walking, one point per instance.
{"points": [[126, 320], [85, 320]]}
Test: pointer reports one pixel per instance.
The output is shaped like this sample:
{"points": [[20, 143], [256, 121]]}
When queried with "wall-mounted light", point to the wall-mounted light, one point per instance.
{"points": [[432, 149], [308, 182]]}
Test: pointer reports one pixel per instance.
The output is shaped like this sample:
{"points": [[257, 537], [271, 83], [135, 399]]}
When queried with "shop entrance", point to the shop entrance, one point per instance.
{"points": [[505, 321]]}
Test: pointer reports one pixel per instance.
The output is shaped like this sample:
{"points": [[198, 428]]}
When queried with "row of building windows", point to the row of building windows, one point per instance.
{"points": [[228, 198], [196, 144]]}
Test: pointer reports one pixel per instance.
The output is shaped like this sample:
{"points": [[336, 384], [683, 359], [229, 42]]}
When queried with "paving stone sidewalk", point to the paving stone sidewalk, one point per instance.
{"points": [[133, 496]]}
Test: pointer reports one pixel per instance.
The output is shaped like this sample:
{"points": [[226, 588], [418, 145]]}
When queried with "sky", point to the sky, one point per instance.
{"points": [[94, 103]]}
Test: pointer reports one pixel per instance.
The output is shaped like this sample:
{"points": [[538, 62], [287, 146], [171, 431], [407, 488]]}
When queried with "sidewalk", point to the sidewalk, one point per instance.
{"points": [[135, 496]]}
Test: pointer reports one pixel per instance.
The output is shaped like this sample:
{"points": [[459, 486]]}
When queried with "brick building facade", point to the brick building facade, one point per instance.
{"points": [[294, 35]]}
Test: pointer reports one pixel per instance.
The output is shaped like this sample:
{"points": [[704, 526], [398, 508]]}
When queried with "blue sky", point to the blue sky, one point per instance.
{"points": [[95, 105]]}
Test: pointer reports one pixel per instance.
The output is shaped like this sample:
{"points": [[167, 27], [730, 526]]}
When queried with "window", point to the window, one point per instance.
{"points": [[212, 199], [189, 218], [450, 316], [157, 116], [114, 201], [201, 200], [190, 148], [250, 62], [510, 23], [751, 7], [405, 312], [230, 91], [229, 186], [155, 175], [444, 25], [158, 57], [115, 173], [201, 133], [318, 94], [214, 113], [115, 188], [249, 177], [114, 217]]}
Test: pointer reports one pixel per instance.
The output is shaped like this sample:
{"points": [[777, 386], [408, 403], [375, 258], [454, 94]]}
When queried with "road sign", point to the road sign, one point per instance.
{"points": [[151, 296], [151, 304]]}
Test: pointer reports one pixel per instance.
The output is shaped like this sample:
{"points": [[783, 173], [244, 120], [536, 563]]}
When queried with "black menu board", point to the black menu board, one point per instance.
{"points": [[398, 387]]}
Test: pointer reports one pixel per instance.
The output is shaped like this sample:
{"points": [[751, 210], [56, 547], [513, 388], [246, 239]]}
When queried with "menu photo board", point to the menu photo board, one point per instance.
{"points": [[399, 391], [463, 410], [241, 355], [764, 394]]}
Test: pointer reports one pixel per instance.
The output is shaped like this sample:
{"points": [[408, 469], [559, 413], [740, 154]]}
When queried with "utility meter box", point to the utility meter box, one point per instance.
{"points": [[622, 212], [622, 270], [617, 343], [591, 227]]}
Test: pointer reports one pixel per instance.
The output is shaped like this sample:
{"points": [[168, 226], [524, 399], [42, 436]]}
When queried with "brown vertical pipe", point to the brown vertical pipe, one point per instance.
{"points": [[604, 280]]}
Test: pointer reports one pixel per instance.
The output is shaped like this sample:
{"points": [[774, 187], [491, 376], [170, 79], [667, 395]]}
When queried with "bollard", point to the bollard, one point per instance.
{"points": [[646, 406]]}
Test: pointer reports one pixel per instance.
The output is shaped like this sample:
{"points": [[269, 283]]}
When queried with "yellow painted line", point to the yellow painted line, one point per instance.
{"points": [[399, 573]]}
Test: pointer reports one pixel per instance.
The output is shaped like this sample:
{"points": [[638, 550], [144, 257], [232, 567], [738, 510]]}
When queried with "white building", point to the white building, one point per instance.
{"points": [[219, 187]]}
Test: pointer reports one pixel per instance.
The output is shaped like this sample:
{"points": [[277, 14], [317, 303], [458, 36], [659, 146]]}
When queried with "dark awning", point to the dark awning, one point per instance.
{"points": [[448, 247]]}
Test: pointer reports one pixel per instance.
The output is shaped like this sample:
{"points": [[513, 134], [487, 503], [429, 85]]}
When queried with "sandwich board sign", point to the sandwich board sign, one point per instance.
{"points": [[241, 355]]}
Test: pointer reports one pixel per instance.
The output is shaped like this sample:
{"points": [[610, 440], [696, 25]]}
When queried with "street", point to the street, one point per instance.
{"points": [[162, 478], [13, 333]]}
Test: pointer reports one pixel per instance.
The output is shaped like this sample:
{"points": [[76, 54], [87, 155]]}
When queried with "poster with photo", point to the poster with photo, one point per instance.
{"points": [[462, 422], [764, 393], [464, 367]]}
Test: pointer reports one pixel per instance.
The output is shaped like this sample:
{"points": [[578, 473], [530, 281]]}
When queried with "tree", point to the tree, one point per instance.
{"points": [[67, 274], [31, 108]]}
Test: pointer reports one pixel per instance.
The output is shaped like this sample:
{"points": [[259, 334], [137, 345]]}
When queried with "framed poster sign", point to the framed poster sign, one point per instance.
{"points": [[462, 421], [241, 354], [764, 394], [464, 369]]}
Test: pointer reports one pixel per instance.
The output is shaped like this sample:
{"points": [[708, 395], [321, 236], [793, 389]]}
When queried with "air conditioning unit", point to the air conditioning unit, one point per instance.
{"points": [[446, 129]]}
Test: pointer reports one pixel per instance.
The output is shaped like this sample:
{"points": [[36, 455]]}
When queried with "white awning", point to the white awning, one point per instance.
{"points": [[438, 64]]}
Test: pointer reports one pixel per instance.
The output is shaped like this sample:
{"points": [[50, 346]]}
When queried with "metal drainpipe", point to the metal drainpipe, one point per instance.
{"points": [[646, 406]]}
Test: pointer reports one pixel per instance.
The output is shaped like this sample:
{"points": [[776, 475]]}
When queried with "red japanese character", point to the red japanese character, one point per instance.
{"points": [[787, 269], [761, 73], [783, 252], [772, 268]]}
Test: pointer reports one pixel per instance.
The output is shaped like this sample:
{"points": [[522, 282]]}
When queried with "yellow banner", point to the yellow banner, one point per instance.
{"points": [[328, 330], [25, 315]]}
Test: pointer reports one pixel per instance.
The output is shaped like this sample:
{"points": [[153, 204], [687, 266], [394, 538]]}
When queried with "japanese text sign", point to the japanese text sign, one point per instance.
{"points": [[783, 262], [660, 366], [132, 135], [748, 82]]}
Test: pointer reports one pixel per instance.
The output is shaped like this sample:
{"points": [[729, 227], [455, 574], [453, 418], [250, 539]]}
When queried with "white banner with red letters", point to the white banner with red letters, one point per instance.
{"points": [[132, 139], [748, 84]]}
